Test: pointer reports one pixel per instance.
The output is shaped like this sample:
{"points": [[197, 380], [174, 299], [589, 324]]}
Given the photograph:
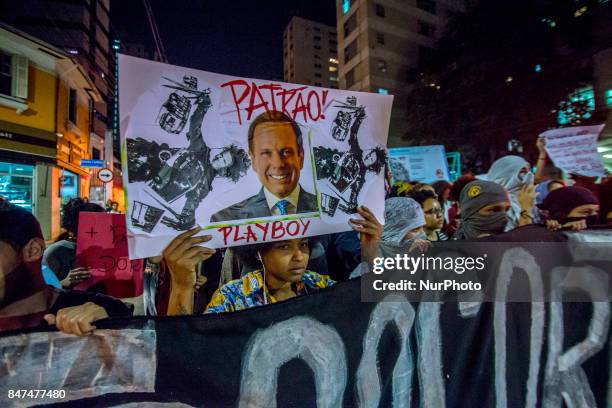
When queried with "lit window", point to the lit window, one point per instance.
{"points": [[333, 69], [333, 78], [333, 60], [383, 91], [538, 68], [382, 65], [580, 11], [346, 6], [609, 97], [577, 107]]}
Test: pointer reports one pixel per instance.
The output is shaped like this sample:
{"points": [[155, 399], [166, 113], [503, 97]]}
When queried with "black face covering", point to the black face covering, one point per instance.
{"points": [[590, 220], [16, 284]]}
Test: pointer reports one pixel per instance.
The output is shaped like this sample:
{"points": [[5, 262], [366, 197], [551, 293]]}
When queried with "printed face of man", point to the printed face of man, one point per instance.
{"points": [[222, 160], [276, 158]]}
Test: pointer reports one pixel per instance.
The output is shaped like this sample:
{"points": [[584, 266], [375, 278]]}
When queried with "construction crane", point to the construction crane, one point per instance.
{"points": [[161, 52]]}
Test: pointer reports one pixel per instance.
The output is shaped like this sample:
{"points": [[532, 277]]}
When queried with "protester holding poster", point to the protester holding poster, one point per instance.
{"points": [[60, 256], [514, 174], [282, 275], [250, 161]]}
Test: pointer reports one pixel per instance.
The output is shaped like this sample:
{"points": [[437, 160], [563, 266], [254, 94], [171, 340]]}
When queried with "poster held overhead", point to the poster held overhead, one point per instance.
{"points": [[426, 164], [574, 150], [250, 161]]}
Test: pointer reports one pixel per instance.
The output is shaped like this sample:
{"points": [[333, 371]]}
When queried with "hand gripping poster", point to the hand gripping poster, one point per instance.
{"points": [[247, 160]]}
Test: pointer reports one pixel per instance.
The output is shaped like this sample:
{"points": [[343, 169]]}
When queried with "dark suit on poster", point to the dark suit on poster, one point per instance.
{"points": [[257, 206]]}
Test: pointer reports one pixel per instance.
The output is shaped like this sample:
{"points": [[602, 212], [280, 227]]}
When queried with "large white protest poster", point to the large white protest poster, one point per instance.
{"points": [[574, 150], [248, 160], [426, 164]]}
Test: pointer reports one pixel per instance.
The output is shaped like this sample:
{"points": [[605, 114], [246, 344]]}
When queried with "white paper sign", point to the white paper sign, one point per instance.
{"points": [[574, 150], [315, 155], [425, 164]]}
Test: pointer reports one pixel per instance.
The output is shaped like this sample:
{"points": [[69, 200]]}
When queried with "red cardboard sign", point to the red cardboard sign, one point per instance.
{"points": [[102, 246]]}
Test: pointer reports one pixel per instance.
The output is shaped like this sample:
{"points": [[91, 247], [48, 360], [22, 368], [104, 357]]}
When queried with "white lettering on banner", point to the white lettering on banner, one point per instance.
{"points": [[396, 309], [124, 361], [429, 342], [320, 346], [564, 376], [574, 149], [518, 258]]}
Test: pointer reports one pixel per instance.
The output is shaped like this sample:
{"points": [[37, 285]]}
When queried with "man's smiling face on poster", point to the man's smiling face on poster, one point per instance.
{"points": [[276, 157]]}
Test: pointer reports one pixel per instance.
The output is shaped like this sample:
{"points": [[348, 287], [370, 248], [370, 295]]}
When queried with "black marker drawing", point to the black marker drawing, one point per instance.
{"points": [[347, 170], [145, 216], [176, 172]]}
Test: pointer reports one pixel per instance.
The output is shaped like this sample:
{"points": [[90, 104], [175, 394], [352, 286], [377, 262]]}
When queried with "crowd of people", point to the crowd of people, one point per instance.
{"points": [[37, 281]]}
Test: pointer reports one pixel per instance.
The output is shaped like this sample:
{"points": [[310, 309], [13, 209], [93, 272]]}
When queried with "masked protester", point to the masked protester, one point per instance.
{"points": [[570, 208], [454, 218], [402, 232], [484, 209], [512, 173], [25, 300]]}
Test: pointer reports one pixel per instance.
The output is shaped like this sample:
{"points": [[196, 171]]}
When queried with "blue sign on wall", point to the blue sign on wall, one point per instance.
{"points": [[95, 164]]}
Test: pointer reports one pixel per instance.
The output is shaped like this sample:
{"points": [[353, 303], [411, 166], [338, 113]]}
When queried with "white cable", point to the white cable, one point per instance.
{"points": [[264, 278]]}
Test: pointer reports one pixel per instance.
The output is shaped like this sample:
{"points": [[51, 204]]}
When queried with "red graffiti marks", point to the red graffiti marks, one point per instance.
{"points": [[298, 103]]}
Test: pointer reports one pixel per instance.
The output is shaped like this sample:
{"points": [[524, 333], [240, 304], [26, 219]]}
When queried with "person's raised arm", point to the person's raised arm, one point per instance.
{"points": [[526, 198], [542, 158], [370, 232], [183, 256]]}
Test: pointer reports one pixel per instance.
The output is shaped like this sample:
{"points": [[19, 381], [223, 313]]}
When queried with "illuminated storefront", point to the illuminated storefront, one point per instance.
{"points": [[16, 184]]}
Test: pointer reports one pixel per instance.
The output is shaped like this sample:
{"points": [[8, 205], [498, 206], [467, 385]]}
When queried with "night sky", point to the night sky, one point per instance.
{"points": [[233, 37]]}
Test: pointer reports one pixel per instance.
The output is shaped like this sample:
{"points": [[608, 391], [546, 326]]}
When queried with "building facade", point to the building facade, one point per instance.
{"points": [[380, 43], [310, 53], [82, 30], [46, 111]]}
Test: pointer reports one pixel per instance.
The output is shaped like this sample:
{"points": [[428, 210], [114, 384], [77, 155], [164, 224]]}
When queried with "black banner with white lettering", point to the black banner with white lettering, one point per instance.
{"points": [[328, 349]]}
